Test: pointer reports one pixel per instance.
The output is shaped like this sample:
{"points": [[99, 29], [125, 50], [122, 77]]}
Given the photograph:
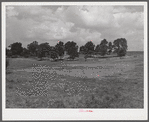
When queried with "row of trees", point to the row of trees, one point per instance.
{"points": [[119, 46], [43, 49]]}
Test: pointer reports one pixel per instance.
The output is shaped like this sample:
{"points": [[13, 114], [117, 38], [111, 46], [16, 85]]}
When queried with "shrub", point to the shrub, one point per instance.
{"points": [[14, 56], [26, 56]]}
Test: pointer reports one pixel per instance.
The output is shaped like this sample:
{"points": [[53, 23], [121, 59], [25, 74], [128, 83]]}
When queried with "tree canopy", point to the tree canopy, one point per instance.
{"points": [[60, 48], [89, 46], [102, 47], [110, 47], [43, 48], [32, 47], [72, 49], [82, 49], [16, 48], [120, 46], [104, 42], [25, 52]]}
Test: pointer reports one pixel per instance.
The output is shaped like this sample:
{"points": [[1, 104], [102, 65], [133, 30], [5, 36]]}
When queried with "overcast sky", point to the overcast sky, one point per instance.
{"points": [[51, 24]]}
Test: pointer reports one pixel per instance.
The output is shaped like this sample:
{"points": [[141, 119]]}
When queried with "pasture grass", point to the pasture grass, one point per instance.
{"points": [[52, 90]]}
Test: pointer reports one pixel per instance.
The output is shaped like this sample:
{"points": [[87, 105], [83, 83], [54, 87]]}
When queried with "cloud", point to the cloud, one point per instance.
{"points": [[90, 16], [78, 23]]}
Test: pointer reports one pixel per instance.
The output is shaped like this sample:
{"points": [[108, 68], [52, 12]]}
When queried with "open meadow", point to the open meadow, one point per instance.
{"points": [[111, 82]]}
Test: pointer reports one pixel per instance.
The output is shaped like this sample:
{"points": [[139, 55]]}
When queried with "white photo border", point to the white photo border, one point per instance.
{"points": [[74, 114]]}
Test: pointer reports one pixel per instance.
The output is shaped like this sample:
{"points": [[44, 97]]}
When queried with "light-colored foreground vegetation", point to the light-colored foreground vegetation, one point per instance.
{"points": [[102, 83]]}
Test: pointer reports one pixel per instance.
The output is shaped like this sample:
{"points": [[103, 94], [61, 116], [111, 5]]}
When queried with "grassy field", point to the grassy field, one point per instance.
{"points": [[97, 83]]}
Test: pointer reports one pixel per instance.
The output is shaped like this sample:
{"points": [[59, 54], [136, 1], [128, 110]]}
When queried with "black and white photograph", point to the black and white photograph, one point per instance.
{"points": [[81, 56]]}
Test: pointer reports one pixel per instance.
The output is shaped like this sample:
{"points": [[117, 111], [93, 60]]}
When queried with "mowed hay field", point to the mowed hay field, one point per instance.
{"points": [[97, 83]]}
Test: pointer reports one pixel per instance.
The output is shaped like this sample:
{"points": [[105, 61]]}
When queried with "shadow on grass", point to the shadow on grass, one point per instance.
{"points": [[91, 101], [107, 57], [102, 57]]}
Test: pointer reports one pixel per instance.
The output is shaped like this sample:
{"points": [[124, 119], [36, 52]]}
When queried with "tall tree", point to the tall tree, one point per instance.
{"points": [[53, 53], [89, 47], [102, 47], [110, 47], [72, 49], [60, 48], [16, 48], [120, 46], [104, 42], [69, 44], [25, 52], [97, 49], [82, 49], [32, 47], [43, 48]]}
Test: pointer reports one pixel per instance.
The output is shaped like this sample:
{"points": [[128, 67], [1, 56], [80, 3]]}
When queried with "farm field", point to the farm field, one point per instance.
{"points": [[110, 82]]}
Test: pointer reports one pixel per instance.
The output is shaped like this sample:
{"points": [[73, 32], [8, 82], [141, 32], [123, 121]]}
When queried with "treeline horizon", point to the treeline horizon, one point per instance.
{"points": [[118, 46]]}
